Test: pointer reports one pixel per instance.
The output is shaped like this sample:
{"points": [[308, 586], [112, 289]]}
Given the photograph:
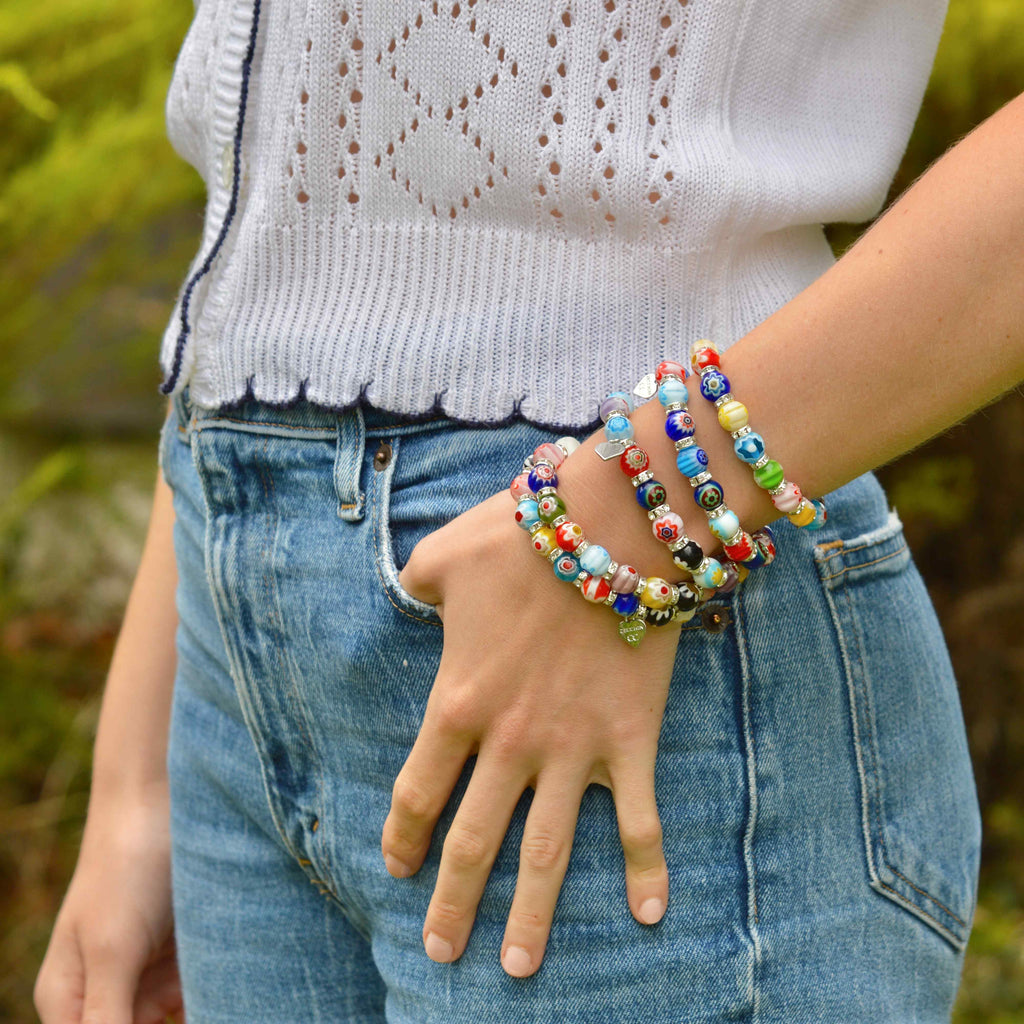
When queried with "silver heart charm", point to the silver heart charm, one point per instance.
{"points": [[647, 387], [610, 449]]}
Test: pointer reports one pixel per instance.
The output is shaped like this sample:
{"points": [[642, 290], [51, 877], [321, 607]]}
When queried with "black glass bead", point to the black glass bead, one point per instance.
{"points": [[689, 556], [659, 616], [687, 597]]}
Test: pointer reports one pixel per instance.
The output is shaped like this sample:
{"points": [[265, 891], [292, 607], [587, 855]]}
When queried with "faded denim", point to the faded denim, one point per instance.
{"points": [[820, 821]]}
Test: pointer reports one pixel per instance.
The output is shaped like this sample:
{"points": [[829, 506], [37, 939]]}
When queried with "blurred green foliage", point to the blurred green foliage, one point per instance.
{"points": [[98, 221]]}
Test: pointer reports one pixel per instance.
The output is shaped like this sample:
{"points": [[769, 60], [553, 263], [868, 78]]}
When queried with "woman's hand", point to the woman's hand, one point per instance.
{"points": [[111, 956], [539, 685]]}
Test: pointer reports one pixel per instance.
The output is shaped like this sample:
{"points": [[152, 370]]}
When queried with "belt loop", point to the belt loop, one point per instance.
{"points": [[348, 464], [183, 411]]}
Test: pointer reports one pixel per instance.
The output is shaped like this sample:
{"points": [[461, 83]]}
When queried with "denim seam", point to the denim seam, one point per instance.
{"points": [[213, 420], [864, 565]]}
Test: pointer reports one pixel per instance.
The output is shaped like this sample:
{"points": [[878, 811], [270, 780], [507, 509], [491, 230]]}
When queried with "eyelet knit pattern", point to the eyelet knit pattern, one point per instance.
{"points": [[502, 207]]}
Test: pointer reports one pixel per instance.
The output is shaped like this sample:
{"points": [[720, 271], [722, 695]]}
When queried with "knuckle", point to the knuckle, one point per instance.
{"points": [[411, 799], [542, 852], [524, 921], [641, 835], [456, 709], [465, 848], [444, 912], [509, 740]]}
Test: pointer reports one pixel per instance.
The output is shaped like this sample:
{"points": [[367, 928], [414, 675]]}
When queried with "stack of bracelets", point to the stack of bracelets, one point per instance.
{"points": [[640, 601]]}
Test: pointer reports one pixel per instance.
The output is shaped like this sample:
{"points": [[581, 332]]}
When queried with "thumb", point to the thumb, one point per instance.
{"points": [[419, 578]]}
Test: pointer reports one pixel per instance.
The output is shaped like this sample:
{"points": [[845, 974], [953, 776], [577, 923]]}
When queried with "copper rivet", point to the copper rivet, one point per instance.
{"points": [[382, 456]]}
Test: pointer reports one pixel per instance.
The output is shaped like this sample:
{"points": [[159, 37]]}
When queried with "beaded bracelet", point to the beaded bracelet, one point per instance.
{"points": [[541, 512], [708, 573], [809, 513]]}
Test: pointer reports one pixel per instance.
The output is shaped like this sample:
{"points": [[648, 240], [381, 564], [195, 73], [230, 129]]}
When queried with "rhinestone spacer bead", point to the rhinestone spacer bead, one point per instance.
{"points": [[722, 399], [700, 478], [742, 432], [675, 407], [641, 478], [763, 461], [557, 522], [686, 442], [661, 510]]}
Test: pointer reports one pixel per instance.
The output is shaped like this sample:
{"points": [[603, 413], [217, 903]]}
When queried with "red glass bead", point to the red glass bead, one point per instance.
{"points": [[670, 366], [569, 536], [742, 549], [520, 487], [633, 461], [596, 589], [705, 356]]}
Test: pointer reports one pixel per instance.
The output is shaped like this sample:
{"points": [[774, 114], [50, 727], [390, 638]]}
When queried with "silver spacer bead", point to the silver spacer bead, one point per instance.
{"points": [[763, 461], [675, 407], [654, 513], [581, 547], [544, 491], [700, 478], [641, 478], [717, 513], [742, 432], [722, 399], [557, 522], [776, 491], [640, 584], [677, 544], [555, 555], [612, 569], [734, 539], [686, 442], [610, 599], [537, 526]]}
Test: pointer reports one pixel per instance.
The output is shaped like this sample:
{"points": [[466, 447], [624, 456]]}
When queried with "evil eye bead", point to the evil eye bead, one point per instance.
{"points": [[731, 581], [634, 461], [742, 549], [520, 487], [625, 579], [657, 593], [765, 541], [626, 604], [595, 589], [650, 494], [569, 536], [668, 528], [804, 515], [768, 476], [749, 447], [679, 425], [526, 513], [544, 541], [595, 560], [542, 475], [617, 403], [618, 428], [692, 461], [789, 498], [711, 576], [821, 515], [708, 495], [549, 451], [725, 526], [669, 368], [673, 392], [733, 415], [550, 507], [689, 556], [567, 567], [714, 384], [704, 354]]}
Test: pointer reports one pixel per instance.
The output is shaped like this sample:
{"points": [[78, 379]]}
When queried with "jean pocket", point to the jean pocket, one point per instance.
{"points": [[919, 808]]}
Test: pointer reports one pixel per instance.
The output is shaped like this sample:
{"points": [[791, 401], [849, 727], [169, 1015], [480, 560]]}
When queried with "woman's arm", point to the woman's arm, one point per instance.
{"points": [[918, 325], [112, 946]]}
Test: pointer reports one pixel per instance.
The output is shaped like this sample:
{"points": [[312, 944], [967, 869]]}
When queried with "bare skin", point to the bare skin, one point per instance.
{"points": [[916, 327]]}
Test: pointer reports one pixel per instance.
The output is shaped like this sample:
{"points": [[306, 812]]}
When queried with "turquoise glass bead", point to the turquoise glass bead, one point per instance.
{"points": [[709, 495], [725, 526], [626, 604], [749, 447], [566, 567], [692, 461], [651, 494], [711, 576], [527, 513], [821, 515], [618, 428], [595, 560], [673, 392]]}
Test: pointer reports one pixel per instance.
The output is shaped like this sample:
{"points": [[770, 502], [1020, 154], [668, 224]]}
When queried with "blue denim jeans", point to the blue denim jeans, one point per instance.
{"points": [[820, 821]]}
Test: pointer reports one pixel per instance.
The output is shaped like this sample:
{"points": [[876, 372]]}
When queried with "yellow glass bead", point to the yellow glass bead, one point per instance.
{"points": [[545, 540], [742, 571], [803, 515], [656, 593], [733, 415]]}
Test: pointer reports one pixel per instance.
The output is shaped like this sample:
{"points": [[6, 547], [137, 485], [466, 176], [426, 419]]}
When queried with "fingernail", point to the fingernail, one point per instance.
{"points": [[439, 949], [397, 867], [516, 962], [652, 910]]}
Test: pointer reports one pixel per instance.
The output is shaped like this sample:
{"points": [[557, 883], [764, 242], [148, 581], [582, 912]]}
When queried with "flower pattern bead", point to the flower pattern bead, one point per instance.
{"points": [[618, 428], [625, 579], [595, 560], [725, 526], [673, 392], [742, 549], [705, 353], [669, 368], [634, 461], [550, 507], [657, 593], [689, 556], [789, 498], [542, 475], [626, 604], [651, 493], [733, 415], [520, 487], [768, 476], [749, 447], [569, 536], [709, 495], [550, 452], [711, 576], [679, 425], [526, 513], [596, 589], [688, 598], [668, 528], [660, 616], [765, 541], [544, 541], [692, 461], [567, 567], [714, 384]]}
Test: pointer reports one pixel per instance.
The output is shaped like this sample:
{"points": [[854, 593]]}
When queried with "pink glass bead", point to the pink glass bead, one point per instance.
{"points": [[670, 367], [789, 498], [625, 579], [544, 540], [704, 354], [668, 528], [596, 589], [633, 461], [551, 452], [521, 486], [569, 536]]}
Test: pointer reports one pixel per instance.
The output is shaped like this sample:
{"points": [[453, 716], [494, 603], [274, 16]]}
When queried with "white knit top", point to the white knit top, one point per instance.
{"points": [[492, 207]]}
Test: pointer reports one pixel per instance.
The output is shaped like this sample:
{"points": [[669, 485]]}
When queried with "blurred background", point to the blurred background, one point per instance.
{"points": [[98, 221]]}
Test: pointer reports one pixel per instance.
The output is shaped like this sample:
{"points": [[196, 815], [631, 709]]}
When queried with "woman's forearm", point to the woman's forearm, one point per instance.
{"points": [[918, 325], [131, 742]]}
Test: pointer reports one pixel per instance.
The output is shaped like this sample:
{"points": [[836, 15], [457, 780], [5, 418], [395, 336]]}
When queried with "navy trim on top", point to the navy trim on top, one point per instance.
{"points": [[179, 348]]}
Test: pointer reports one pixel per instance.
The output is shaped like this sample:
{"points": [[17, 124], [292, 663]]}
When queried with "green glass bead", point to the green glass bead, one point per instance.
{"points": [[769, 475], [550, 507]]}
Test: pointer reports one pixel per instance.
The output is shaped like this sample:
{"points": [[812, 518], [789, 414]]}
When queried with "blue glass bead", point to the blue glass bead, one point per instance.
{"points": [[673, 392], [679, 424], [526, 513], [822, 515], [618, 428], [749, 447], [542, 476], [709, 495], [725, 526], [756, 560], [651, 494], [617, 402], [692, 461], [595, 560], [711, 576], [714, 384], [567, 567], [625, 604]]}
